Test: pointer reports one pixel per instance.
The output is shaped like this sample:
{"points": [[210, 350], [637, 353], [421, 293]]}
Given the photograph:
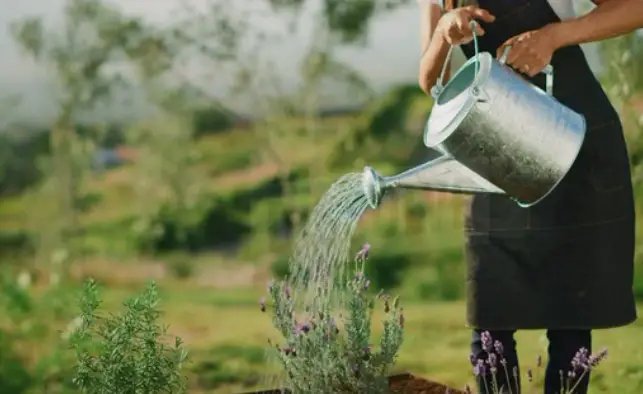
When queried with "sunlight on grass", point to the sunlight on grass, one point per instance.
{"points": [[436, 341]]}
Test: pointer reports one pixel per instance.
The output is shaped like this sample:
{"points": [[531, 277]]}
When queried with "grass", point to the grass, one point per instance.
{"points": [[226, 334]]}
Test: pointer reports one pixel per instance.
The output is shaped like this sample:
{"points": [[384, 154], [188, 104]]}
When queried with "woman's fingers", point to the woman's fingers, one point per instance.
{"points": [[482, 14], [457, 27], [501, 49], [517, 52], [479, 30], [464, 25]]}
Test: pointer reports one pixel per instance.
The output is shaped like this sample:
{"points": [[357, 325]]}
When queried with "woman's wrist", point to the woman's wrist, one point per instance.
{"points": [[556, 34]]}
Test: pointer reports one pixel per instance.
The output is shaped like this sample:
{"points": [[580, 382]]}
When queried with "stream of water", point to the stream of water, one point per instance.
{"points": [[322, 252]]}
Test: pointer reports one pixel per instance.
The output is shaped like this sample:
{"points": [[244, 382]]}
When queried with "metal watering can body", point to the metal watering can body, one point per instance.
{"points": [[497, 133]]}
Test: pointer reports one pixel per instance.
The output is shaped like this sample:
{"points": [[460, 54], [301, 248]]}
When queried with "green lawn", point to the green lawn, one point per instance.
{"points": [[227, 335]]}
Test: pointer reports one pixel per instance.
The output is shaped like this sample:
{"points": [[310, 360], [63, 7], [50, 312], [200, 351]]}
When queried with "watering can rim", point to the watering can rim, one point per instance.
{"points": [[433, 138]]}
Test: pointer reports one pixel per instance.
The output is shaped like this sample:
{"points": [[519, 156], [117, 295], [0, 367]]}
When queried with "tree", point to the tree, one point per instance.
{"points": [[83, 59]]}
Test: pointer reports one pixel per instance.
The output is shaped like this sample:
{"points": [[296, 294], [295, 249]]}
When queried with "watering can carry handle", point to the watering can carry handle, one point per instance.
{"points": [[548, 71], [439, 85]]}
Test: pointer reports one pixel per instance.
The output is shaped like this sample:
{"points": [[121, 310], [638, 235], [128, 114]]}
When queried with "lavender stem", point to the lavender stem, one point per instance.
{"points": [[578, 381], [507, 376]]}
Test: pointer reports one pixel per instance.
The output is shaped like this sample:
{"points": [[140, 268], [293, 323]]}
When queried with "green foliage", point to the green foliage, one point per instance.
{"points": [[280, 267], [126, 352], [320, 356], [211, 120], [386, 270], [14, 377], [230, 363], [19, 155], [181, 266]]}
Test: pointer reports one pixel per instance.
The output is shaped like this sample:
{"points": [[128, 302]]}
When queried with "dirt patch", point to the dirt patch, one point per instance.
{"points": [[401, 384], [409, 384]]}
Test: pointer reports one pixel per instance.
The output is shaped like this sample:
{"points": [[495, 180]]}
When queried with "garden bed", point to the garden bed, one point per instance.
{"points": [[401, 384]]}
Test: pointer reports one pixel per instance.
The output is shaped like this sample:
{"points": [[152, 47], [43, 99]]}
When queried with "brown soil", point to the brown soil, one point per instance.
{"points": [[409, 384], [403, 384]]}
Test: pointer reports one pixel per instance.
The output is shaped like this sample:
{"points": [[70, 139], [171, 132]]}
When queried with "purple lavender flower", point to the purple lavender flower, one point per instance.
{"points": [[493, 360], [497, 345], [367, 352], [262, 304], [487, 341], [479, 369], [302, 328], [473, 359], [362, 255], [595, 360], [581, 360], [571, 374]]}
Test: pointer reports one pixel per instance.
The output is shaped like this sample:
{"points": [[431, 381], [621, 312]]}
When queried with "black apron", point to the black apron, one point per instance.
{"points": [[566, 262]]}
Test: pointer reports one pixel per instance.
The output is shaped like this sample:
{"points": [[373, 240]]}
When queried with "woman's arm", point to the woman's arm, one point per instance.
{"points": [[532, 51], [434, 47], [609, 19], [439, 32]]}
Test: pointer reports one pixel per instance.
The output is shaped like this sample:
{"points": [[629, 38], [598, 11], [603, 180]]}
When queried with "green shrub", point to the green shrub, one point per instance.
{"points": [[181, 266], [320, 356], [387, 270], [14, 377], [211, 120], [279, 267], [126, 352]]}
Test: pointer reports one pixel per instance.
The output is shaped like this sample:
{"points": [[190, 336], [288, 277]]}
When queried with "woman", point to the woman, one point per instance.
{"points": [[565, 264]]}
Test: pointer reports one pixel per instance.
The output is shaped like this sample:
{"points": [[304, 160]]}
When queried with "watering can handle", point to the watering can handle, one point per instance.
{"points": [[548, 71], [439, 86]]}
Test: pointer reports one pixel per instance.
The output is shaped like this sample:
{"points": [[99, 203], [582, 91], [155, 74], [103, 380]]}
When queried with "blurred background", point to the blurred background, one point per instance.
{"points": [[186, 141]]}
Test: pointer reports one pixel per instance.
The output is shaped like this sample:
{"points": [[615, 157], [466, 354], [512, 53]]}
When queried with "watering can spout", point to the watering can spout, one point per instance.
{"points": [[441, 174]]}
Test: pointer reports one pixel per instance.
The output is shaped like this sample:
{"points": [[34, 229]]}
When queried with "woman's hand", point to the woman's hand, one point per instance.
{"points": [[455, 25], [530, 51]]}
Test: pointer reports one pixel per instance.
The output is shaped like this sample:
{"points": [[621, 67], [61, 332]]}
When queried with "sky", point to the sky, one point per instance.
{"points": [[389, 57]]}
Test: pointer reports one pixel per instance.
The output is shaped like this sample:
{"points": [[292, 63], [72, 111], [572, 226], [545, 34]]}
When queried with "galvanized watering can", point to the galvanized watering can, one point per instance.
{"points": [[496, 132]]}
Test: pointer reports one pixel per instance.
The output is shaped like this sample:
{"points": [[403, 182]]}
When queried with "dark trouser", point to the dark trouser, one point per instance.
{"points": [[563, 345]]}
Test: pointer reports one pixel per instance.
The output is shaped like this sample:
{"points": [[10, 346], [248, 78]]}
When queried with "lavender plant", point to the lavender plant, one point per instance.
{"points": [[492, 362], [322, 354], [126, 353]]}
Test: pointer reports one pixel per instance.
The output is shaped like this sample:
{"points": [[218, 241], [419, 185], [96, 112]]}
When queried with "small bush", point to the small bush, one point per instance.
{"points": [[181, 266], [320, 356], [14, 377], [127, 352], [211, 121], [279, 267]]}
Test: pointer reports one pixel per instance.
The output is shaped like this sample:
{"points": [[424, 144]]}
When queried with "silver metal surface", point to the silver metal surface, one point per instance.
{"points": [[441, 174], [548, 71], [498, 134]]}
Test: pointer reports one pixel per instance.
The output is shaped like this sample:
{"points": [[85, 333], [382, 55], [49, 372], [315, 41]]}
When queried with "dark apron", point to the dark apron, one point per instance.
{"points": [[567, 262]]}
